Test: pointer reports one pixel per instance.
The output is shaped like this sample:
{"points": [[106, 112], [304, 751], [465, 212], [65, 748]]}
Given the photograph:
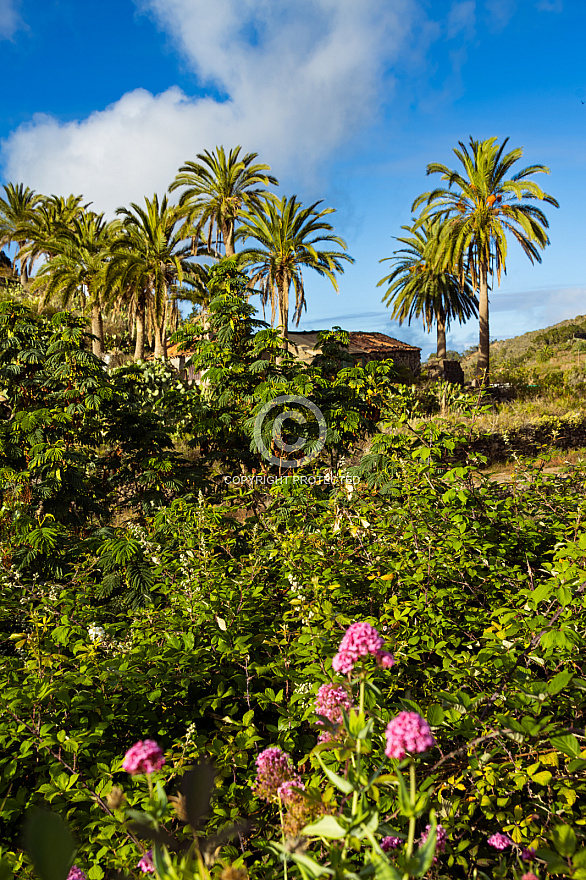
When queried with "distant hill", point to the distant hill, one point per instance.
{"points": [[555, 348]]}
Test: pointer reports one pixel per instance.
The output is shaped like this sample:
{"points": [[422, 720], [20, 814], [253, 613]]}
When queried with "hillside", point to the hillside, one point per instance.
{"points": [[538, 353]]}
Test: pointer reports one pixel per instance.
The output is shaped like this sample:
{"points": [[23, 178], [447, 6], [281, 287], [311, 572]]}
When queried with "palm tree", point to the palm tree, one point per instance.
{"points": [[16, 212], [287, 235], [148, 258], [479, 208], [51, 216], [218, 189], [77, 267], [418, 288]]}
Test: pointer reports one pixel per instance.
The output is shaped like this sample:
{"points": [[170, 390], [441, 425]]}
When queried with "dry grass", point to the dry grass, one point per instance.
{"points": [[514, 414], [554, 462]]}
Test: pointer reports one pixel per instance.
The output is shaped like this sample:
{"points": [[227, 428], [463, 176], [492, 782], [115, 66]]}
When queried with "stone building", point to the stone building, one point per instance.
{"points": [[363, 347]]}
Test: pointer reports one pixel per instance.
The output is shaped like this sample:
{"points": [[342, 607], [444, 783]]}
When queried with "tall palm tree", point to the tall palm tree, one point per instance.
{"points": [[16, 212], [287, 236], [149, 257], [479, 208], [419, 288], [51, 216], [80, 251], [218, 189]]}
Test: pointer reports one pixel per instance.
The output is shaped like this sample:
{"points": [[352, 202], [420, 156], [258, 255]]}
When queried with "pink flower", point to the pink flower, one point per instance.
{"points": [[289, 791], [76, 874], [343, 663], [499, 841], [146, 863], [529, 876], [388, 843], [528, 853], [273, 768], [360, 640], [384, 659], [144, 756], [329, 702], [440, 837], [408, 732]]}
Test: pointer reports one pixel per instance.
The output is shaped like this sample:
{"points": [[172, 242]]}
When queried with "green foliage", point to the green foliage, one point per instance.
{"points": [[480, 593], [140, 602]]}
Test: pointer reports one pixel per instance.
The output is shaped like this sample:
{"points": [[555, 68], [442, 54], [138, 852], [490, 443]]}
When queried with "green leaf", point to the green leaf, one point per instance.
{"points": [[304, 862], [541, 592], [341, 784], [559, 682], [566, 743], [564, 839], [435, 715], [555, 865], [383, 870], [5, 871], [544, 777], [424, 855], [197, 786], [50, 845], [327, 826]]}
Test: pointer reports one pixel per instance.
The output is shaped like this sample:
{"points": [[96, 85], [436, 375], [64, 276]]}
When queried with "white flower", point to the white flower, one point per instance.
{"points": [[96, 633]]}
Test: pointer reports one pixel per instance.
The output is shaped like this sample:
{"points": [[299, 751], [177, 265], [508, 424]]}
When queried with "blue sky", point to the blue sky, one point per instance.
{"points": [[347, 102]]}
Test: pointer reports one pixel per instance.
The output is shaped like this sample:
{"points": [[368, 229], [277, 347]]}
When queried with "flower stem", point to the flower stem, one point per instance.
{"points": [[411, 835], [358, 747], [282, 836]]}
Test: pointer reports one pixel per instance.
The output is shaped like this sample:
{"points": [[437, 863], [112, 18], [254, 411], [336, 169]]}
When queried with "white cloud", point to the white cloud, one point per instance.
{"points": [[462, 19], [300, 76], [9, 18], [500, 12]]}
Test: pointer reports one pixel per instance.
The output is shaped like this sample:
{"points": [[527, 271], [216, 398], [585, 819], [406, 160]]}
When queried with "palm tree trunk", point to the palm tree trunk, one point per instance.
{"points": [[97, 331], [161, 332], [441, 336], [228, 236], [284, 310], [483, 365], [140, 322], [23, 265], [160, 341]]}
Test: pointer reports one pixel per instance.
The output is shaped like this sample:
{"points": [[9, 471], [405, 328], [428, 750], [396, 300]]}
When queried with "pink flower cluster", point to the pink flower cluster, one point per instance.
{"points": [[408, 732], [390, 842], [329, 702], [500, 841], [146, 863], [360, 640], [528, 853], [289, 791], [76, 874], [529, 876], [440, 837], [144, 756], [274, 768]]}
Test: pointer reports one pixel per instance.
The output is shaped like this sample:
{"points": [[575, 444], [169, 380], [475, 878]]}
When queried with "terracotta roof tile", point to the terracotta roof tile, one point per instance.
{"points": [[378, 342], [360, 341], [177, 349]]}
